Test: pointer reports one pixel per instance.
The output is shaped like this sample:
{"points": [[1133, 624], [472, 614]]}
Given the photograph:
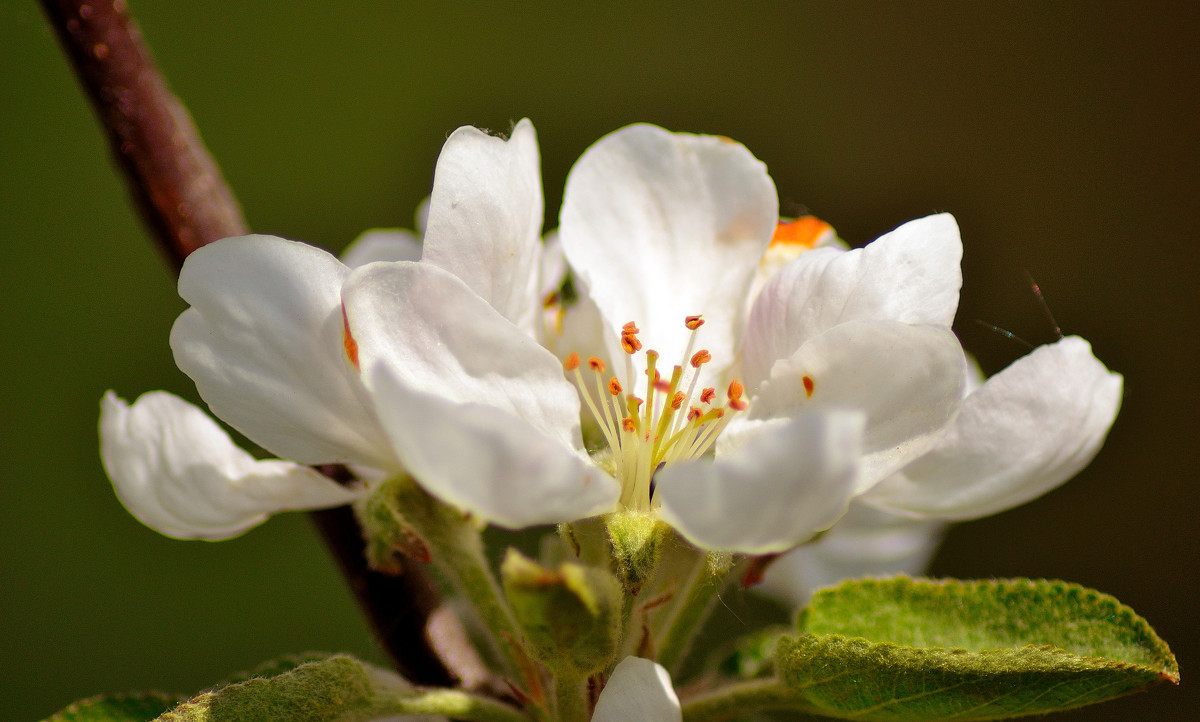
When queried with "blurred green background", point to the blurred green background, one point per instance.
{"points": [[1063, 136]]}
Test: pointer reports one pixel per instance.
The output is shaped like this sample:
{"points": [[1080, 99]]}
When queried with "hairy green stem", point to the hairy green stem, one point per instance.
{"points": [[453, 703], [738, 699], [570, 692], [699, 592], [457, 549]]}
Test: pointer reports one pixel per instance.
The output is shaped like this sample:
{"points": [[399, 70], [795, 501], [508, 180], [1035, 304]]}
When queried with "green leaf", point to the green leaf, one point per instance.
{"points": [[334, 688], [117, 708], [905, 649]]}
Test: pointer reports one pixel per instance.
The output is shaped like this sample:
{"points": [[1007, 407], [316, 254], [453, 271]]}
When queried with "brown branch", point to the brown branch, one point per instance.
{"points": [[186, 203]]}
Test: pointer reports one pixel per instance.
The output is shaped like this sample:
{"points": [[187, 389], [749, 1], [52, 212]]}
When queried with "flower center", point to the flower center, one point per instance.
{"points": [[665, 425]]}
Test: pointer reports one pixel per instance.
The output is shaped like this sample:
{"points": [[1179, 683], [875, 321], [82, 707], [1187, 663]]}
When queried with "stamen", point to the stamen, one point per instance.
{"points": [[735, 395], [629, 339], [670, 424], [808, 386]]}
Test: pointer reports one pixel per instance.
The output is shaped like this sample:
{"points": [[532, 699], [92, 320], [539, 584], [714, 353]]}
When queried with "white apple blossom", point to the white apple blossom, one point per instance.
{"points": [[746, 399]]}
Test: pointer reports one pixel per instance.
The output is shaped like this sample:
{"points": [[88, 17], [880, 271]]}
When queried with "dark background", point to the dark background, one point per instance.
{"points": [[1063, 136]]}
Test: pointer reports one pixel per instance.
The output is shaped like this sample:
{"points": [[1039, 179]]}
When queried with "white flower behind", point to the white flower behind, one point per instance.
{"points": [[638, 689]]}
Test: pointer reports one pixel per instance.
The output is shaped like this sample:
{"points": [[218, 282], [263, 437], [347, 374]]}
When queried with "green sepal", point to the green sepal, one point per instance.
{"points": [[911, 649], [387, 532], [139, 707], [637, 540], [570, 616]]}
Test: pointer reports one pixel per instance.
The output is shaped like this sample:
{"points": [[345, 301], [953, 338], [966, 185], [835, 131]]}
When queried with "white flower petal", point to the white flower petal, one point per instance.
{"points": [[781, 486], [487, 461], [382, 244], [263, 342], [865, 542], [436, 335], [485, 218], [660, 226], [638, 691], [179, 473], [1028, 429], [910, 275], [907, 379]]}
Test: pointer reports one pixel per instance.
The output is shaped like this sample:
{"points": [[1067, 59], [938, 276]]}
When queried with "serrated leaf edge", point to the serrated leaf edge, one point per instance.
{"points": [[1127, 614]]}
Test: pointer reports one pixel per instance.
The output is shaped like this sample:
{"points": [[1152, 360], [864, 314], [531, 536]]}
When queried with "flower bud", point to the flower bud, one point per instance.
{"points": [[571, 616]]}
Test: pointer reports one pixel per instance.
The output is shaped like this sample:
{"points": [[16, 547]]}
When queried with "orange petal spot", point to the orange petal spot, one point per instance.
{"points": [[572, 362], [805, 232], [693, 322], [700, 358], [348, 341], [596, 364], [808, 386]]}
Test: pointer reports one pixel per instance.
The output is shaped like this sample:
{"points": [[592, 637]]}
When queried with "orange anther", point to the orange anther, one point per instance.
{"points": [[661, 386], [738, 404], [700, 358], [627, 424], [677, 400], [708, 394], [804, 232], [614, 386], [630, 343], [630, 327], [550, 299], [693, 322], [735, 390], [572, 362], [596, 364], [694, 413], [718, 413], [808, 386]]}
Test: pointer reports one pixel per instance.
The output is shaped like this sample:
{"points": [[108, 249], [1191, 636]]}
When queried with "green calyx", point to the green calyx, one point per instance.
{"points": [[637, 539], [570, 616]]}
